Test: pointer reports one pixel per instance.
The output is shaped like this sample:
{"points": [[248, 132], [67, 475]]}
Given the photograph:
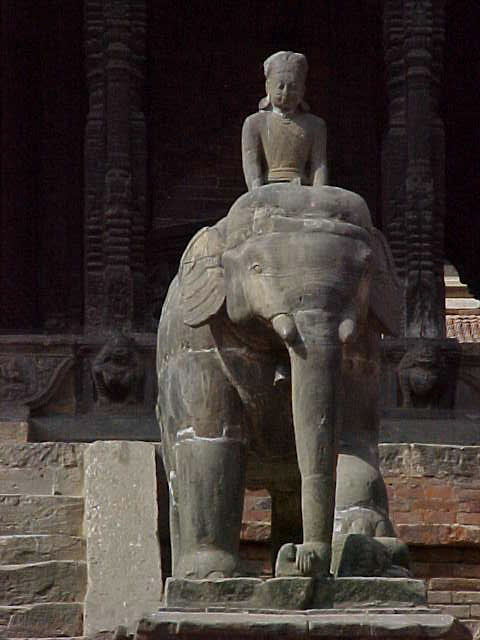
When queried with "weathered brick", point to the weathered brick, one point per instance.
{"points": [[43, 620], [439, 597], [440, 517], [441, 491], [13, 431], [39, 548], [58, 468], [465, 597], [57, 581], [468, 518], [463, 570], [256, 531], [409, 490], [456, 610], [413, 517], [437, 534], [21, 514], [468, 494], [470, 506], [475, 611], [454, 584], [434, 505], [401, 505]]}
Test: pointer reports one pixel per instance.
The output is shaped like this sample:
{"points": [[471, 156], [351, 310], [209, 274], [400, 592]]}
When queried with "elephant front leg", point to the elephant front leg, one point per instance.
{"points": [[315, 386], [210, 489], [206, 450]]}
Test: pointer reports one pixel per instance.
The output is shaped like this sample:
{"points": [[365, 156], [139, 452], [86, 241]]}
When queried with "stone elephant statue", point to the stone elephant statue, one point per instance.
{"points": [[268, 366]]}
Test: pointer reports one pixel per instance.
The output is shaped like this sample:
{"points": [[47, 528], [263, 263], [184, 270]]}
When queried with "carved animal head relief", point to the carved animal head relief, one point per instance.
{"points": [[118, 371], [421, 375]]}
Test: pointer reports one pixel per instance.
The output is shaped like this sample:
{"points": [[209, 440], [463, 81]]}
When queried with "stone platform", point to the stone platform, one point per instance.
{"points": [[295, 593], [284, 608], [218, 623]]}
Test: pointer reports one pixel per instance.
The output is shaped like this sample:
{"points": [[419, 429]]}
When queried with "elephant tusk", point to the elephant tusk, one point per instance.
{"points": [[285, 327], [347, 330]]}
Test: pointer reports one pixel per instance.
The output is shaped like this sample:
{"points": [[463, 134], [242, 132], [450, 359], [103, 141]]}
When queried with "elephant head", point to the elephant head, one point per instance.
{"points": [[306, 264]]}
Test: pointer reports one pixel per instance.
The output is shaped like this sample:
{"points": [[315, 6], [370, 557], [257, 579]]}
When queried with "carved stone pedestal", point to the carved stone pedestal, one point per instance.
{"points": [[411, 624], [327, 608], [287, 594]]}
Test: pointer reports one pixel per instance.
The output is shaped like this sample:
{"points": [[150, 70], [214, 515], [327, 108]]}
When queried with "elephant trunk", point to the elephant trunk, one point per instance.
{"points": [[315, 362]]}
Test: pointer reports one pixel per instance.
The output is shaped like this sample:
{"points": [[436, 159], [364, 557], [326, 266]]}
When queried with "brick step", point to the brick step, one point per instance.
{"points": [[27, 514], [55, 581], [42, 620], [42, 468], [20, 549]]}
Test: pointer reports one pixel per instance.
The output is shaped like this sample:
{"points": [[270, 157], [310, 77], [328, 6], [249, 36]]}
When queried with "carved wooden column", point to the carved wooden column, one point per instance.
{"points": [[413, 159], [115, 166]]}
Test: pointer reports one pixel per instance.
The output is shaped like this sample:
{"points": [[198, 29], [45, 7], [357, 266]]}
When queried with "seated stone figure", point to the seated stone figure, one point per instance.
{"points": [[283, 142]]}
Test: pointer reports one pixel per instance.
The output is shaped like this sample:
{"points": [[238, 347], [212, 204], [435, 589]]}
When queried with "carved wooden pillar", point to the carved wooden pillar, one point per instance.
{"points": [[413, 159], [115, 166]]}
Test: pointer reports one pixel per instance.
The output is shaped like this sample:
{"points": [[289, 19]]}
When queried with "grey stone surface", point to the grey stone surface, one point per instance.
{"points": [[121, 528], [246, 374], [41, 620], [118, 372], [54, 581], [357, 554], [42, 468], [327, 625], [283, 139], [276, 310], [371, 592], [24, 514], [295, 593], [13, 431], [88, 428], [18, 549], [438, 461], [433, 427]]}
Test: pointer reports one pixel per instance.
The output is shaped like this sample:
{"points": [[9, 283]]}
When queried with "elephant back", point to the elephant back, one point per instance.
{"points": [[297, 203]]}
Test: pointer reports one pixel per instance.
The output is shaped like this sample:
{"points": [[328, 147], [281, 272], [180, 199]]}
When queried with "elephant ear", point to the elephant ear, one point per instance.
{"points": [[386, 293], [201, 278]]}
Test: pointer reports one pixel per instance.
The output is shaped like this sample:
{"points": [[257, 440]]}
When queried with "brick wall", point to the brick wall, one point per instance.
{"points": [[434, 494]]}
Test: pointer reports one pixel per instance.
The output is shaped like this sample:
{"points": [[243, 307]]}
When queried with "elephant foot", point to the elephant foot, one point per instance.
{"points": [[310, 559], [208, 563]]}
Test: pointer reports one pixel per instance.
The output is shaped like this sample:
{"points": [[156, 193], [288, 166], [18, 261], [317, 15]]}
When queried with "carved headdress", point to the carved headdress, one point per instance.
{"points": [[285, 61]]}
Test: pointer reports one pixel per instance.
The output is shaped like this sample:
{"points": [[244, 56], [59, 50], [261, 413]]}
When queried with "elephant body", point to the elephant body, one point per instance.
{"points": [[268, 371]]}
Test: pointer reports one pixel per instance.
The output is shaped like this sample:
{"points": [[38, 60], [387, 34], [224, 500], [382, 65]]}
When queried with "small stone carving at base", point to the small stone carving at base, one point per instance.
{"points": [[421, 376], [117, 372]]}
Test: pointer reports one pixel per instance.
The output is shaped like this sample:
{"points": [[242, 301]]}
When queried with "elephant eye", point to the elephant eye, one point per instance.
{"points": [[256, 267]]}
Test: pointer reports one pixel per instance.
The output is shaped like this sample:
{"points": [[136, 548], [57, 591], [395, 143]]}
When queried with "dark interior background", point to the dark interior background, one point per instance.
{"points": [[204, 76]]}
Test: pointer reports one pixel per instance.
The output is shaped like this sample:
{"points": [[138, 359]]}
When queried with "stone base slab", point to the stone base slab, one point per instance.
{"points": [[54, 581], [42, 620], [50, 515], [295, 593], [13, 431], [121, 528], [411, 624], [18, 549]]}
